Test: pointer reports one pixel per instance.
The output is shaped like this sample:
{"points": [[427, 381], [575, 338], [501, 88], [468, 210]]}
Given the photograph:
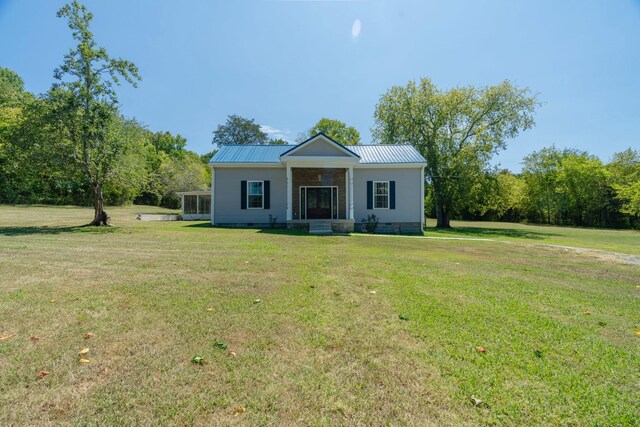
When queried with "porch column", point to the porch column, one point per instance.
{"points": [[350, 193], [213, 191], [422, 199], [289, 195]]}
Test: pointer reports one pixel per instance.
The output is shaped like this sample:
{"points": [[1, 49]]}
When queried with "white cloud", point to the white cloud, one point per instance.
{"points": [[275, 133], [356, 27]]}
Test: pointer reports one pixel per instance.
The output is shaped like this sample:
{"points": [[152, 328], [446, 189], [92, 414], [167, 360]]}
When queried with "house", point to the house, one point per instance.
{"points": [[318, 184]]}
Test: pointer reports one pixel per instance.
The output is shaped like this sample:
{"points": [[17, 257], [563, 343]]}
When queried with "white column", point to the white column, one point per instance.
{"points": [[289, 195], [350, 192], [422, 199], [346, 193], [213, 180]]}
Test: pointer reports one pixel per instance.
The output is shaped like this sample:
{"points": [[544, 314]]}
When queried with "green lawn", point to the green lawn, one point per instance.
{"points": [[348, 330], [624, 241]]}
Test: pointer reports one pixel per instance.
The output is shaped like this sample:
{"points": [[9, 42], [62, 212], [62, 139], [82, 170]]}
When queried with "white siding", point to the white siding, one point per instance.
{"points": [[409, 199], [227, 195]]}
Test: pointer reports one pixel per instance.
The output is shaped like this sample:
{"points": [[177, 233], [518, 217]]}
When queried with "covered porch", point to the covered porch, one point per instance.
{"points": [[196, 205], [317, 196]]}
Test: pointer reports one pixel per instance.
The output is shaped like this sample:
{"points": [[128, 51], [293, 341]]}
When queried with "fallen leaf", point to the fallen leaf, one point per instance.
{"points": [[373, 292], [6, 336], [83, 351], [481, 349], [257, 301], [246, 262], [239, 411], [54, 300], [104, 370], [221, 345], [587, 312], [210, 309], [197, 359], [34, 338], [84, 361], [232, 354], [88, 335], [478, 402], [42, 374], [637, 331]]}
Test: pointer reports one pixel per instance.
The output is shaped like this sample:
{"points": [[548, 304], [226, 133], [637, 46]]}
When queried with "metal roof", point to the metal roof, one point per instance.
{"points": [[250, 153], [386, 153], [369, 154]]}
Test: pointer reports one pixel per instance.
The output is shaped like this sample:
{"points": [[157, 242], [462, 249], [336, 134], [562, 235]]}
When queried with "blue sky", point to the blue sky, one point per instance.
{"points": [[289, 63]]}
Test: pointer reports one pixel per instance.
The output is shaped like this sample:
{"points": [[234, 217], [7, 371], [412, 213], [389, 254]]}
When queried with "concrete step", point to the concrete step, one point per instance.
{"points": [[320, 227]]}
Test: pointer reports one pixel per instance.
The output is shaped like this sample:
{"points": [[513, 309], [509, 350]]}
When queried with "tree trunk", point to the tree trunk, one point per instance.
{"points": [[100, 217], [442, 216]]}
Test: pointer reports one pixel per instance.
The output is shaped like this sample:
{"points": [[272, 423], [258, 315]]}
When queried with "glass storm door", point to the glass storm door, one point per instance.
{"points": [[319, 203]]}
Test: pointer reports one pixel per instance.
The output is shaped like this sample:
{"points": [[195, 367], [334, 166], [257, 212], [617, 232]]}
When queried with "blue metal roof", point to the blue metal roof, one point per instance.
{"points": [[386, 153], [369, 154], [250, 153]]}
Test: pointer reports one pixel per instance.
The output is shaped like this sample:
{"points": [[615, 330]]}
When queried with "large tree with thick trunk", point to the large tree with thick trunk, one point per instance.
{"points": [[457, 131], [85, 104]]}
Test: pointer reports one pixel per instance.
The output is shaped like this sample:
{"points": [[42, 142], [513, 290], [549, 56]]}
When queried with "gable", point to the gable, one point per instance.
{"points": [[320, 145]]}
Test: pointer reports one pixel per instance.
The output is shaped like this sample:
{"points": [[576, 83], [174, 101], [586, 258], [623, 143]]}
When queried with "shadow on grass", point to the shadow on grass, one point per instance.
{"points": [[486, 232], [24, 231]]}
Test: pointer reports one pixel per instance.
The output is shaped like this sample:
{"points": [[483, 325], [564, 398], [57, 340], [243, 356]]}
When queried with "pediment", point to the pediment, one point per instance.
{"points": [[319, 145]]}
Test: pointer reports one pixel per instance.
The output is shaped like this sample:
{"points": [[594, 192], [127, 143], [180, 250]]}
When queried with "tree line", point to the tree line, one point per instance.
{"points": [[38, 165]]}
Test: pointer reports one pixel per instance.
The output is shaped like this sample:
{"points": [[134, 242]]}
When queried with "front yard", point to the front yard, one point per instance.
{"points": [[312, 330]]}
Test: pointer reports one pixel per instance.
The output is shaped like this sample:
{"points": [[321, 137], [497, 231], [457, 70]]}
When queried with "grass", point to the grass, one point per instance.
{"points": [[318, 348], [623, 241]]}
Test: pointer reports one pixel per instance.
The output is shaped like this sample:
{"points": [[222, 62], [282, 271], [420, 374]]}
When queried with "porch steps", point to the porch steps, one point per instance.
{"points": [[320, 227]]}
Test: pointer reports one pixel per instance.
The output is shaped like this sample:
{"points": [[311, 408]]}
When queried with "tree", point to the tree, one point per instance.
{"points": [[334, 129], [501, 195], [457, 131], [625, 172], [164, 141], [12, 93], [85, 104], [540, 173], [241, 131]]}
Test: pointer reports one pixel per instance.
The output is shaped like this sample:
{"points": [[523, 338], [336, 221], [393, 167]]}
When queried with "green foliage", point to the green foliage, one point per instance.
{"points": [[499, 195], [334, 129], [12, 93], [241, 131], [457, 131], [568, 187], [370, 224], [624, 170]]}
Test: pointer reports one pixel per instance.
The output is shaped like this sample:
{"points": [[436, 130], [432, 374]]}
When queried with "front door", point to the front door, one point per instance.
{"points": [[319, 203]]}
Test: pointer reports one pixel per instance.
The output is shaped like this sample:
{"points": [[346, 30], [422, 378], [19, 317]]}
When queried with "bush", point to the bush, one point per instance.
{"points": [[370, 224]]}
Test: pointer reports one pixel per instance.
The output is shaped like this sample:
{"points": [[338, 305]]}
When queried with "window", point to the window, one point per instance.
{"points": [[255, 197], [205, 205], [381, 194], [190, 205]]}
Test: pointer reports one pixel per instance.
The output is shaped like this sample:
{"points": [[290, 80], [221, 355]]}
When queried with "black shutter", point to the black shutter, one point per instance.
{"points": [[243, 194], [267, 194], [392, 194], [369, 194]]}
